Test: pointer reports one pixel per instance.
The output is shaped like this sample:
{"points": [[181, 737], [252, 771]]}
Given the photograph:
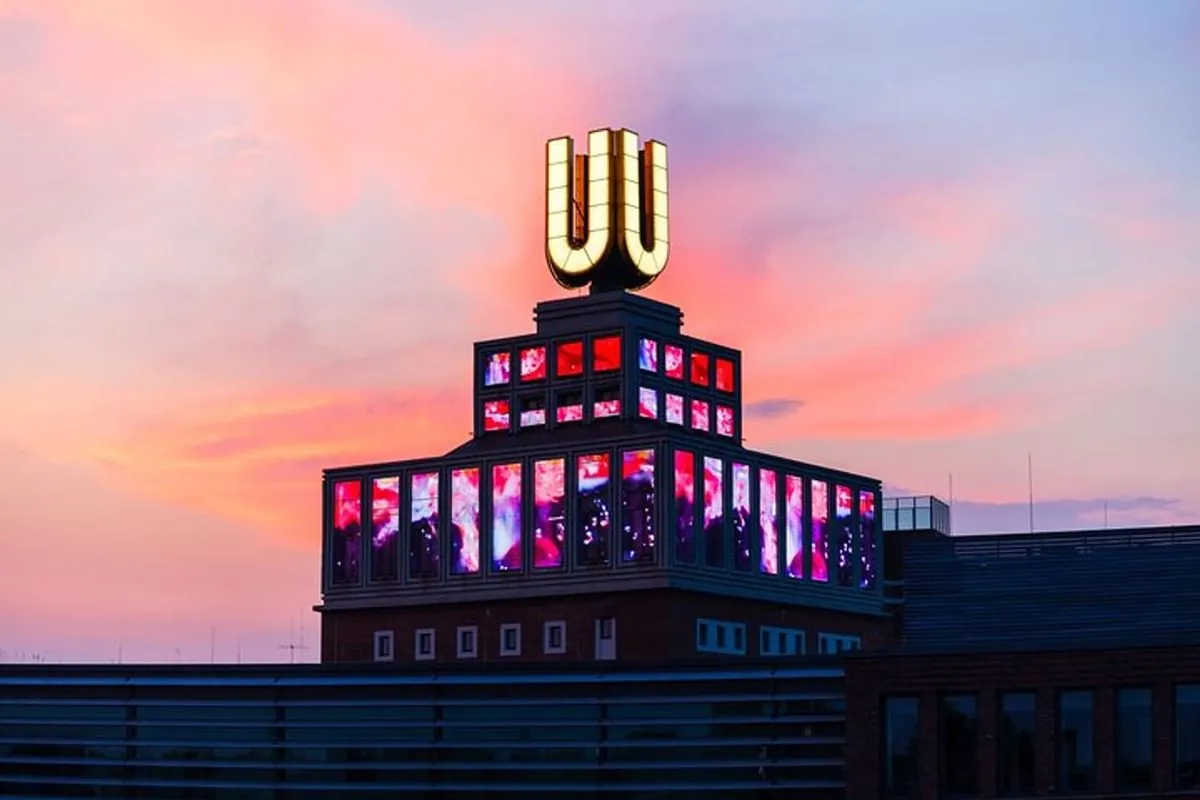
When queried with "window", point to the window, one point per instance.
{"points": [[606, 353], [724, 421], [959, 736], [606, 639], [497, 369], [833, 643], [1076, 725], [674, 409], [673, 361], [424, 644], [647, 402], [384, 650], [570, 407], [700, 369], [714, 636], [468, 641], [608, 402], [533, 364], [1187, 736], [724, 375], [648, 355], [495, 415], [900, 742], [554, 637], [533, 411], [700, 415], [780, 641], [510, 640], [1133, 766], [568, 359], [1018, 721]]}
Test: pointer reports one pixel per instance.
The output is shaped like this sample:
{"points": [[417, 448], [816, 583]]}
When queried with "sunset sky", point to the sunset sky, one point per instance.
{"points": [[244, 240]]}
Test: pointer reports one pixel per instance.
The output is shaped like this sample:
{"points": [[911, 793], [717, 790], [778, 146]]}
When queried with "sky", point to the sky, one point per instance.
{"points": [[245, 240]]}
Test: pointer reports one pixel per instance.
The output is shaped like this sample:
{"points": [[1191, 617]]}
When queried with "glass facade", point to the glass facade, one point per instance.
{"points": [[297, 733], [1076, 729]]}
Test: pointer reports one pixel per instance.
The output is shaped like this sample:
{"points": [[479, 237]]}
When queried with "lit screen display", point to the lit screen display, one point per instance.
{"points": [[593, 518], [606, 353], [845, 542], [794, 514], [648, 355], [700, 369], [506, 517], [385, 529], [533, 363], [742, 524], [866, 539], [464, 519], [820, 531], [568, 359], [347, 531], [647, 402], [724, 375], [768, 522], [700, 415], [495, 415], [569, 412], [725, 420], [638, 533], [673, 362], [674, 409], [714, 512], [533, 418], [499, 369], [424, 540], [685, 507], [606, 408], [549, 513]]}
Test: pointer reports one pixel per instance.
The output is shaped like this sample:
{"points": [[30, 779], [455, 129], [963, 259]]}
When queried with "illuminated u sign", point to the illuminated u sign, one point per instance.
{"points": [[606, 212]]}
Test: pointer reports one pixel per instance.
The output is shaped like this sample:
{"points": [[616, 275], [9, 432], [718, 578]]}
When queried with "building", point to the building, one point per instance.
{"points": [[1035, 665]]}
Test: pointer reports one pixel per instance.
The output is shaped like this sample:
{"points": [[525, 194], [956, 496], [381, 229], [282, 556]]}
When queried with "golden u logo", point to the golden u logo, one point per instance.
{"points": [[606, 212]]}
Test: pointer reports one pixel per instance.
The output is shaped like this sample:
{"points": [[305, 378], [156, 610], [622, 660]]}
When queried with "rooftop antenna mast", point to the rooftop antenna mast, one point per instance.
{"points": [[291, 646]]}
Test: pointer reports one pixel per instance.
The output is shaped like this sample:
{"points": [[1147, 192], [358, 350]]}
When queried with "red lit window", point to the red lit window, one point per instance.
{"points": [[495, 415], [606, 408], [572, 413], [700, 369], [674, 409], [606, 353], [725, 420], [533, 363], [700, 415], [724, 375], [673, 362], [569, 359]]}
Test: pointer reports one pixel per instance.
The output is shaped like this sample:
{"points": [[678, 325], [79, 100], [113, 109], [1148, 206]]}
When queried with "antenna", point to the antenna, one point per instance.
{"points": [[291, 646], [951, 521], [1030, 461]]}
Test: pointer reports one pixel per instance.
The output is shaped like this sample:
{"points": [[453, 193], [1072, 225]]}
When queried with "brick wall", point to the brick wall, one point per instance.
{"points": [[655, 625], [869, 678]]}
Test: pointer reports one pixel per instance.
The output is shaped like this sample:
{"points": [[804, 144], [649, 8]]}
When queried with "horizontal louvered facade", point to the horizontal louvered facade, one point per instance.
{"points": [[302, 733]]}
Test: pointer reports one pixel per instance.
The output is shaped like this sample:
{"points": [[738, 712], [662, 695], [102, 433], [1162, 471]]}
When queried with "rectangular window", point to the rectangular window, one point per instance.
{"points": [[497, 368], [780, 641], [685, 507], [819, 531], [959, 737], [1133, 766], [647, 402], [724, 421], [533, 364], [533, 412], [424, 645], [674, 409], [385, 529], [714, 636], [424, 535], [464, 521], [714, 512], [793, 497], [743, 525], [700, 415], [347, 532], [845, 541], [1076, 728], [1018, 723], [1187, 736], [384, 650], [593, 513], [554, 638], [866, 539], [468, 641], [549, 513], [768, 523], [700, 369], [606, 353], [606, 639], [496, 416], [900, 743], [830, 644], [648, 355], [510, 640], [724, 375], [673, 361], [638, 530], [608, 402], [569, 407], [568, 359], [506, 517]]}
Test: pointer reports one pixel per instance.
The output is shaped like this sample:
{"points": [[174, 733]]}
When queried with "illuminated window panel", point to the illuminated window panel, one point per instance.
{"points": [[606, 354], [506, 517], [347, 532], [569, 408], [844, 509], [568, 359], [533, 364], [685, 507], [673, 362], [498, 369], [724, 420], [593, 513], [793, 551], [424, 536], [819, 536], [648, 355], [533, 412], [768, 523], [606, 408], [699, 415], [496, 415], [647, 402], [714, 512], [674, 409], [724, 378], [743, 525], [638, 532], [464, 521], [700, 369], [866, 540], [549, 513], [385, 529]]}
